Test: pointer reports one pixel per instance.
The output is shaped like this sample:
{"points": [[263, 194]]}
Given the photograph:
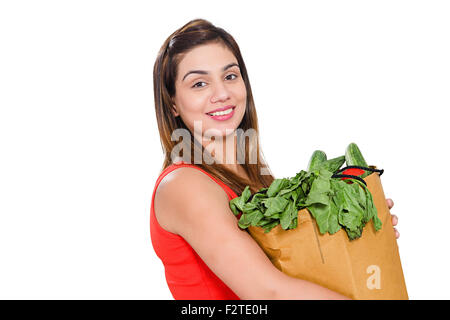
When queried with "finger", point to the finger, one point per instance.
{"points": [[397, 234], [394, 219], [390, 203]]}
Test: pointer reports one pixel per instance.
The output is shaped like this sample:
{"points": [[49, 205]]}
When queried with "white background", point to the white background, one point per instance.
{"points": [[80, 149]]}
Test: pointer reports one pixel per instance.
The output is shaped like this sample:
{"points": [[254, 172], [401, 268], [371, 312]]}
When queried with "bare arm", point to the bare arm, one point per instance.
{"points": [[192, 205]]}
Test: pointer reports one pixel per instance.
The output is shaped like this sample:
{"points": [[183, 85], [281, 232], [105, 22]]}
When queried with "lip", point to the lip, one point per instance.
{"points": [[221, 109], [223, 117]]}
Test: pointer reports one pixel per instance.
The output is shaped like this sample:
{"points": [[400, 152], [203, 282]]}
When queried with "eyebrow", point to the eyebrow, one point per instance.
{"points": [[206, 72]]}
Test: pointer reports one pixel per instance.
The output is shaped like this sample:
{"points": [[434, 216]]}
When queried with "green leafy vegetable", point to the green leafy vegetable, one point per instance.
{"points": [[333, 203]]}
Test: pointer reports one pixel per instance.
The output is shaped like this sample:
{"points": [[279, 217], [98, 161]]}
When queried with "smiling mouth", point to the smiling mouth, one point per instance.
{"points": [[222, 113]]}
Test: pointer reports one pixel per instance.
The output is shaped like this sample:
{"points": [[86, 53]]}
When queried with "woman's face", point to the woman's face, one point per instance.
{"points": [[209, 78]]}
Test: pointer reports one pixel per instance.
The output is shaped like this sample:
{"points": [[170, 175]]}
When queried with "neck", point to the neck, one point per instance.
{"points": [[223, 149]]}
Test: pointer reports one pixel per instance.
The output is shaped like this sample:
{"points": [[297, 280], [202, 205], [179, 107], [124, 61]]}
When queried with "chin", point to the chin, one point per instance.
{"points": [[220, 131]]}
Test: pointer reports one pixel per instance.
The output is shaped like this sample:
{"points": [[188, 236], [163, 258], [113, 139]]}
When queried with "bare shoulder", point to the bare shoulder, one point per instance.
{"points": [[192, 205], [183, 194]]}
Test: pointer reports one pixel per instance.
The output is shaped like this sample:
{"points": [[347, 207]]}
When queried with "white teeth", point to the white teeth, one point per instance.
{"points": [[221, 113]]}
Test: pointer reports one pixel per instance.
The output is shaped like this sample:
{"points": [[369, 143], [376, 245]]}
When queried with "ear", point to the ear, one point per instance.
{"points": [[174, 111], [174, 108]]}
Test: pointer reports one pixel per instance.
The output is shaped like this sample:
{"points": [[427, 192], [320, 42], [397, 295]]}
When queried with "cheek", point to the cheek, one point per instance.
{"points": [[241, 97], [191, 110], [192, 104], [241, 92]]}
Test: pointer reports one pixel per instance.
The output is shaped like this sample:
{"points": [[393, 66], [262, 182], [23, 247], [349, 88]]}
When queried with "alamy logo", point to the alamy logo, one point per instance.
{"points": [[374, 280], [216, 142]]}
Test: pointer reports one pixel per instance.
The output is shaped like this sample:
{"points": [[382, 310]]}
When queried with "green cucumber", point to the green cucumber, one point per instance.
{"points": [[354, 157], [316, 160]]}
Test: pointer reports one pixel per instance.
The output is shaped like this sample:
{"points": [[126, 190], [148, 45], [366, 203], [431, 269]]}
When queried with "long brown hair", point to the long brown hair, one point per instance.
{"points": [[195, 33]]}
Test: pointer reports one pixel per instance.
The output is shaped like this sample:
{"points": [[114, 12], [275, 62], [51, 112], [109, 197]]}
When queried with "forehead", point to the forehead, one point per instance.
{"points": [[208, 57]]}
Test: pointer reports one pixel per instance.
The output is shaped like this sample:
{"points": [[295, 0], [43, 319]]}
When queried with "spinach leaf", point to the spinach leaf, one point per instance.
{"points": [[335, 204]]}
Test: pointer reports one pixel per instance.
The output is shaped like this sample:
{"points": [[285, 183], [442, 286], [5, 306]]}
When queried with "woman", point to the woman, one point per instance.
{"points": [[199, 70]]}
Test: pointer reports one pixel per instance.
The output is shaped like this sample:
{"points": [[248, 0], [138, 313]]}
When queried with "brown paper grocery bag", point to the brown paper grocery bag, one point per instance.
{"points": [[365, 268]]}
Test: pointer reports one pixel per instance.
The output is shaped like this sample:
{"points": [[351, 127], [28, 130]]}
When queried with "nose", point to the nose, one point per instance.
{"points": [[220, 93]]}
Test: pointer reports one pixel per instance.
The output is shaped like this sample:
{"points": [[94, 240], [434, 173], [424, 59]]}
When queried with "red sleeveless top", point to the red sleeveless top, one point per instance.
{"points": [[187, 276]]}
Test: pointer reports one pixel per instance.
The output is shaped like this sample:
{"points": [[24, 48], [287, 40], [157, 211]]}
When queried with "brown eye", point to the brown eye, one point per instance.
{"points": [[195, 85], [232, 75]]}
